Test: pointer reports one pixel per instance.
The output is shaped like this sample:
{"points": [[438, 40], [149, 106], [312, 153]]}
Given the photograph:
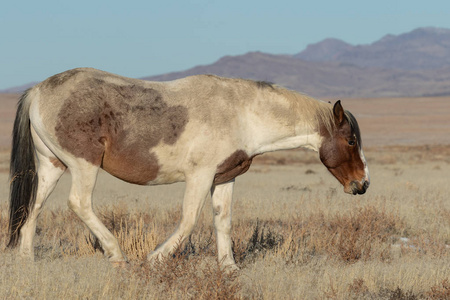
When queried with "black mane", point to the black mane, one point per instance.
{"points": [[354, 126], [264, 84]]}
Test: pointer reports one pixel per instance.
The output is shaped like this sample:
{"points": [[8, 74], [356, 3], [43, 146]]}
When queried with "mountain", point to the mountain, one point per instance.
{"points": [[421, 49], [325, 50], [412, 64], [325, 79]]}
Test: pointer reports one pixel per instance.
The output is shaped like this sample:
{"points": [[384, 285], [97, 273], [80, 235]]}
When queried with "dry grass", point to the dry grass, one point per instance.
{"points": [[291, 240], [363, 235]]}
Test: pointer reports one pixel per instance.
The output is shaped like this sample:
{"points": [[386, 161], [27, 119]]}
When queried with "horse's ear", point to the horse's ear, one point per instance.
{"points": [[338, 112]]}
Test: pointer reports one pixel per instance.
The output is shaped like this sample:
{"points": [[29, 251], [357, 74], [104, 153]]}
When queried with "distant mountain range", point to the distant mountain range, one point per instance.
{"points": [[412, 64], [420, 49]]}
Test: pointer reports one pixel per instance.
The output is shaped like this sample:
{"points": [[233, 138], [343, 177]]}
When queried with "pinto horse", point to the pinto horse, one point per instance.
{"points": [[204, 130]]}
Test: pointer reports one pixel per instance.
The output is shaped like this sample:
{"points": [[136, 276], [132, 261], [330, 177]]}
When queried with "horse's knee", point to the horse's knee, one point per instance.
{"points": [[74, 204], [77, 206], [37, 207], [222, 220]]}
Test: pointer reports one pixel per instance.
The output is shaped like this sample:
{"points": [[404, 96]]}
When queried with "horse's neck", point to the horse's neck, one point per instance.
{"points": [[305, 140], [289, 131]]}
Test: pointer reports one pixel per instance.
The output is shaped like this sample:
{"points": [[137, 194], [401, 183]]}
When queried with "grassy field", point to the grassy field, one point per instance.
{"points": [[296, 235]]}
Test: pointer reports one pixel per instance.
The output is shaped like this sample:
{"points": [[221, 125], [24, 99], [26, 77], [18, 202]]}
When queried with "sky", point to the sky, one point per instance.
{"points": [[142, 38]]}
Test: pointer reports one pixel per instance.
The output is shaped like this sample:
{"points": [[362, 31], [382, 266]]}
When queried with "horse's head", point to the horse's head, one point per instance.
{"points": [[341, 152]]}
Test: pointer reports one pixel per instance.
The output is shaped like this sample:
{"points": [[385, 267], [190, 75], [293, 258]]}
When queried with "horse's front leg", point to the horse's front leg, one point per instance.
{"points": [[198, 185], [222, 196]]}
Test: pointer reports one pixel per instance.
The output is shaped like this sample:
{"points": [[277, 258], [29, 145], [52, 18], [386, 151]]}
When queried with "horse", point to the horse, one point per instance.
{"points": [[203, 130]]}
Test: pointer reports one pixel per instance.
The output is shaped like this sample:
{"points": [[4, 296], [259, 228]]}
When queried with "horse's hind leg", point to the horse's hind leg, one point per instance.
{"points": [[84, 176], [49, 171]]}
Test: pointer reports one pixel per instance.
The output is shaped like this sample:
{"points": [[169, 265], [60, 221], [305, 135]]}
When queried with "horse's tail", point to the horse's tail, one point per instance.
{"points": [[23, 177]]}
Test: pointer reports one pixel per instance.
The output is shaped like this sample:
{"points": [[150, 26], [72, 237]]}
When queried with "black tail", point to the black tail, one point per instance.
{"points": [[24, 180]]}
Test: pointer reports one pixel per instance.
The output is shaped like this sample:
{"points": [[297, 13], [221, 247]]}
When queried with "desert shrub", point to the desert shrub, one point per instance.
{"points": [[358, 289], [397, 294], [201, 242], [195, 276], [440, 291], [356, 233], [261, 240], [349, 237]]}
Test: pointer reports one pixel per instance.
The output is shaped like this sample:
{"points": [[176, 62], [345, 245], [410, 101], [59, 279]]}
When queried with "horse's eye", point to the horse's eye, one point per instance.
{"points": [[352, 143]]}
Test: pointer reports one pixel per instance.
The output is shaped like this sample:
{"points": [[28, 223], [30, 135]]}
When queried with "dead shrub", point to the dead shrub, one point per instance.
{"points": [[440, 291], [168, 269], [195, 275], [363, 233], [354, 234], [331, 292], [261, 240], [201, 242], [114, 216], [358, 288], [217, 282], [397, 294]]}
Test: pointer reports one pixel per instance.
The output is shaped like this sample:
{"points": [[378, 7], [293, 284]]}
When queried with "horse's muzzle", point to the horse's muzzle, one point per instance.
{"points": [[358, 188]]}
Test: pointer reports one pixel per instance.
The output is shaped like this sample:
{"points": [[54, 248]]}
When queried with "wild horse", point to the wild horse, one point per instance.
{"points": [[203, 130]]}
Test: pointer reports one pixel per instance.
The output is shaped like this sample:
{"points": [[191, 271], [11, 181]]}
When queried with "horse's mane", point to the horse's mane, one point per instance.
{"points": [[313, 112], [354, 125], [323, 113]]}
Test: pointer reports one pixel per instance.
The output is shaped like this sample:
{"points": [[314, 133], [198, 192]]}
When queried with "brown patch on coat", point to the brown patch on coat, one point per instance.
{"points": [[236, 164], [339, 151], [57, 163], [116, 126]]}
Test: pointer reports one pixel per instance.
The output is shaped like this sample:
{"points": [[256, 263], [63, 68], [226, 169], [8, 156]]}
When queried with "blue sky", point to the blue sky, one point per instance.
{"points": [[142, 38]]}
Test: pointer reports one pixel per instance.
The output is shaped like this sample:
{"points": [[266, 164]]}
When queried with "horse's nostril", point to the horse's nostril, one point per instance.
{"points": [[366, 185], [358, 187]]}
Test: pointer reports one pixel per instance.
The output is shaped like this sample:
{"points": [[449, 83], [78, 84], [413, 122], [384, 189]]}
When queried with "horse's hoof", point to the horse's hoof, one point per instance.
{"points": [[230, 268], [154, 257]]}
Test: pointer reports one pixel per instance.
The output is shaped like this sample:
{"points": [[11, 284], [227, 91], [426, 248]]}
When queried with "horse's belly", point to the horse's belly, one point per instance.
{"points": [[139, 168]]}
